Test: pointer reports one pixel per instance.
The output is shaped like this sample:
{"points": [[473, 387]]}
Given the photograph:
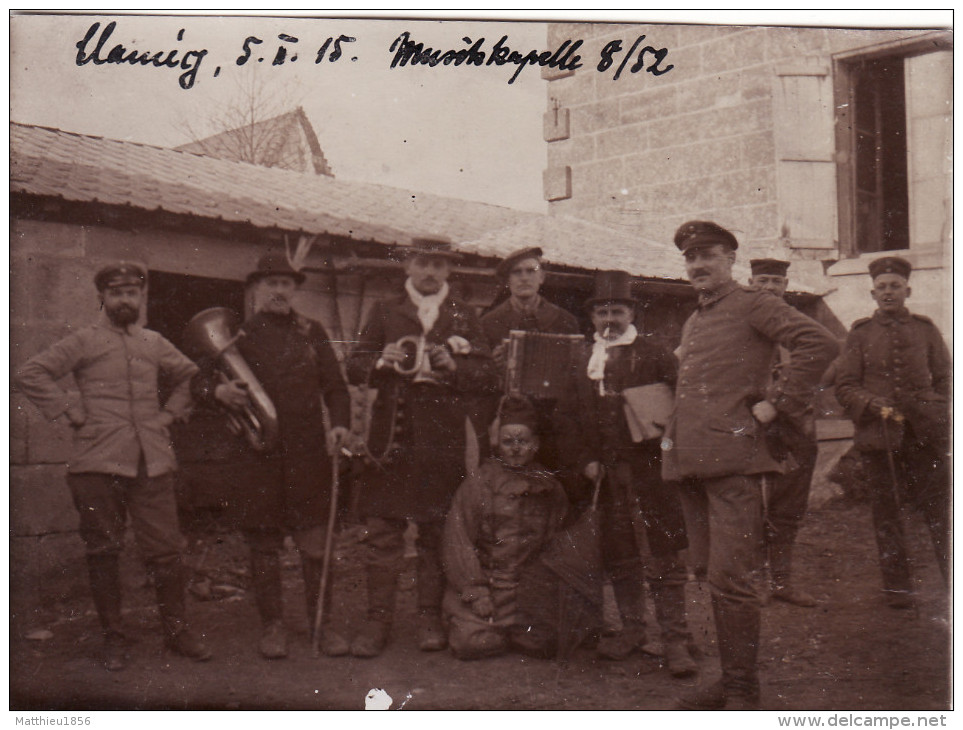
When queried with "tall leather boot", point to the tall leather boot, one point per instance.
{"points": [[780, 566], [105, 588], [266, 580], [170, 582], [382, 585], [629, 599], [737, 632], [668, 596], [331, 642], [431, 589]]}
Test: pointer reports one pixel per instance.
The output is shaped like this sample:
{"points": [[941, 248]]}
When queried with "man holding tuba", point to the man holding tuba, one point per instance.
{"points": [[283, 489], [417, 434]]}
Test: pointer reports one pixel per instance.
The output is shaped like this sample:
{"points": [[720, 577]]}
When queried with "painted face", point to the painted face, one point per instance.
{"points": [[428, 273], [709, 267], [613, 317], [890, 292], [770, 282], [526, 278], [516, 444], [273, 294], [122, 303]]}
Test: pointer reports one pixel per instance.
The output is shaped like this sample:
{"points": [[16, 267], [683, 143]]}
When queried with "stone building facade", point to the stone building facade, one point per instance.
{"points": [[827, 147]]}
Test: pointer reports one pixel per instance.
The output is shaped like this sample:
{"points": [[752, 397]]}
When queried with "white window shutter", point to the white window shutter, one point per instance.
{"points": [[805, 138]]}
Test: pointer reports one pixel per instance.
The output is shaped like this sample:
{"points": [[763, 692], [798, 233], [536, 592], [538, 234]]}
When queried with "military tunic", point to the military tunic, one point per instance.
{"points": [[902, 359]]}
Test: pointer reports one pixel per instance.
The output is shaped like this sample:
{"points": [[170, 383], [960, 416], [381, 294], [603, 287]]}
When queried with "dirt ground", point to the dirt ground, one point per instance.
{"points": [[851, 653]]}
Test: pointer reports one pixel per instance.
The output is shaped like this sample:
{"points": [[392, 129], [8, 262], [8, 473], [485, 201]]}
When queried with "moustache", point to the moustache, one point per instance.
{"points": [[700, 272]]}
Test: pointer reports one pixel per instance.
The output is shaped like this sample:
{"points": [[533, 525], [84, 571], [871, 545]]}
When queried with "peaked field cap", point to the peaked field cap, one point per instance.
{"points": [[890, 265], [275, 263], [703, 233], [431, 246], [508, 263], [120, 273], [768, 267], [611, 286]]}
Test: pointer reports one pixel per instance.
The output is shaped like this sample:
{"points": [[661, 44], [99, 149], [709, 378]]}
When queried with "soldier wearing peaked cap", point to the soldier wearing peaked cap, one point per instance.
{"points": [[122, 461], [425, 353], [284, 489], [523, 272], [715, 445], [788, 493], [621, 370], [893, 378]]}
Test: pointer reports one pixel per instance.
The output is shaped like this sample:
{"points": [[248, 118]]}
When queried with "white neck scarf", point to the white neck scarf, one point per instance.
{"points": [[596, 363], [428, 304]]}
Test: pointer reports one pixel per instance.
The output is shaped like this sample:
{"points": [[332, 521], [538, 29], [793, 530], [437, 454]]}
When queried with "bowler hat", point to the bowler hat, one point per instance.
{"points": [[703, 233], [890, 265], [120, 273], [611, 286], [508, 263], [275, 264], [432, 246], [768, 267]]}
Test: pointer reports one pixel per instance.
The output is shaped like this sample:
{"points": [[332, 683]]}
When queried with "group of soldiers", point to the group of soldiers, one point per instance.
{"points": [[698, 461]]}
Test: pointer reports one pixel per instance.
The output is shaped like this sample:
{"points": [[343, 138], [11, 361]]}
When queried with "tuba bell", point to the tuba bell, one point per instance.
{"points": [[212, 333]]}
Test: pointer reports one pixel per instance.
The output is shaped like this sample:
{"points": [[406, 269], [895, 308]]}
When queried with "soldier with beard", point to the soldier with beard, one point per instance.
{"points": [[122, 461]]}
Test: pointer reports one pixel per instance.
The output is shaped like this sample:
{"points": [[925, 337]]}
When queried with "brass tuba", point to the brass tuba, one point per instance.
{"points": [[212, 333]]}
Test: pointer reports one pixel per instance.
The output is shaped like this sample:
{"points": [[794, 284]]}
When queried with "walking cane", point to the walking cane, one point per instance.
{"points": [[887, 413], [326, 560]]}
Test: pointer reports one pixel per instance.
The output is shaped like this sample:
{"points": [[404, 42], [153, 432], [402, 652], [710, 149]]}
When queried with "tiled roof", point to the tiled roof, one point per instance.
{"points": [[82, 168]]}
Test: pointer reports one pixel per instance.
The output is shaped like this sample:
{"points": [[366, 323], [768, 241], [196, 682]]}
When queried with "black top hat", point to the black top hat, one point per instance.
{"points": [[275, 264], [703, 233], [431, 246], [768, 267], [611, 286], [505, 267], [120, 273], [890, 265]]}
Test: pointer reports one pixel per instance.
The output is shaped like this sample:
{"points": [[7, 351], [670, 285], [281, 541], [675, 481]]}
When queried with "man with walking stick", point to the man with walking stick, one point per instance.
{"points": [[894, 381], [284, 490]]}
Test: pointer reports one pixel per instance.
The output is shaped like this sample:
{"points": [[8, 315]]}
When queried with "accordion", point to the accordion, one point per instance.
{"points": [[541, 365]]}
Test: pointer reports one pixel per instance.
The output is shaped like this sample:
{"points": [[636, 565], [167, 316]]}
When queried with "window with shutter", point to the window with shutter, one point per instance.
{"points": [[805, 154]]}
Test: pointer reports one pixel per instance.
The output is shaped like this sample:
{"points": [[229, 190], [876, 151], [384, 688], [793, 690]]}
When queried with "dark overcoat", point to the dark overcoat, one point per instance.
{"points": [[547, 317], [728, 346], [417, 431], [901, 358], [287, 487], [602, 434]]}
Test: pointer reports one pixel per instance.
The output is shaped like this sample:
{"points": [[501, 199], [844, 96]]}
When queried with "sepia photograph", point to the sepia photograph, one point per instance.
{"points": [[460, 361]]}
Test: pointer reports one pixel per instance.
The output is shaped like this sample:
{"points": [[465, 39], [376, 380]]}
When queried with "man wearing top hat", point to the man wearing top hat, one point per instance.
{"points": [[285, 490], [894, 380], [425, 353], [715, 446], [788, 494], [122, 461], [634, 500], [523, 272]]}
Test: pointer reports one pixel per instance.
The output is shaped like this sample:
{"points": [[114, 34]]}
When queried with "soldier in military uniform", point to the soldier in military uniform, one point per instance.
{"points": [[715, 445], [788, 495], [894, 381], [634, 500], [122, 461], [417, 434], [525, 309], [284, 491]]}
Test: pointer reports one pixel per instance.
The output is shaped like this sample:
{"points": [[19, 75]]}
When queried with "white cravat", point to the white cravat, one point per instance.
{"points": [[428, 304], [596, 363]]}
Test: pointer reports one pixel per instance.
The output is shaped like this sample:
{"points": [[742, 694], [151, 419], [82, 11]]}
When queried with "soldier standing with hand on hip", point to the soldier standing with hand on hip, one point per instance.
{"points": [[715, 446], [122, 461]]}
